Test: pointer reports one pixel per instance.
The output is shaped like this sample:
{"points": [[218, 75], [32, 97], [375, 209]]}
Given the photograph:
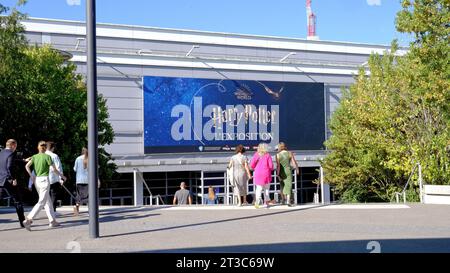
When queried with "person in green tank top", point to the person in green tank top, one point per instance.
{"points": [[285, 159], [41, 163]]}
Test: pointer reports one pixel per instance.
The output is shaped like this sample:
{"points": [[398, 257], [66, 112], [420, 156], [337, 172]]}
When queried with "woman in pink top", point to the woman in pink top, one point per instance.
{"points": [[262, 165]]}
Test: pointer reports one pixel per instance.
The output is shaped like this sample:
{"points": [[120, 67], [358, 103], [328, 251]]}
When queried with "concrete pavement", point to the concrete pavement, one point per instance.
{"points": [[309, 228]]}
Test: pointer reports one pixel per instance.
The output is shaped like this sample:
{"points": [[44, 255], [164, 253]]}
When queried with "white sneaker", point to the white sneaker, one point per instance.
{"points": [[27, 224]]}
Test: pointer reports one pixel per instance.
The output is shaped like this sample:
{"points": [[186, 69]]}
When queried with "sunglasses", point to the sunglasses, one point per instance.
{"points": [[43, 145]]}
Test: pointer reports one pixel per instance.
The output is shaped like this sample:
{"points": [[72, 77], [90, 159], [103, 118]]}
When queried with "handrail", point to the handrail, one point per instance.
{"points": [[158, 197], [403, 192], [7, 198], [274, 182]]}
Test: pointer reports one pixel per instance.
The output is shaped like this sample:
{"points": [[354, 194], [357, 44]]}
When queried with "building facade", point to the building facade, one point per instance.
{"points": [[127, 54]]}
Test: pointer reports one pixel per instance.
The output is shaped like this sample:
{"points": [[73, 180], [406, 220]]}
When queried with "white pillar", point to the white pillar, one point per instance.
{"points": [[275, 181], [226, 190], [138, 188], [420, 183], [295, 187], [324, 188], [202, 186]]}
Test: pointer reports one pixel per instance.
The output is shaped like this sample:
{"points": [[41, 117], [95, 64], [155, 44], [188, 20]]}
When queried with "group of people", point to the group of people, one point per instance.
{"points": [[262, 166], [183, 196], [239, 172], [46, 174]]}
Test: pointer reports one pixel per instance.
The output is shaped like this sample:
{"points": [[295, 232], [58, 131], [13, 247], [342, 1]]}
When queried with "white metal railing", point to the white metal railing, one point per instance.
{"points": [[121, 198], [200, 189], [111, 197], [153, 199], [7, 198], [77, 48], [275, 183], [151, 196], [403, 192]]}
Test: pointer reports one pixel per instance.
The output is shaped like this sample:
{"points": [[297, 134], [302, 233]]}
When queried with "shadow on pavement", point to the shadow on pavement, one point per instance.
{"points": [[106, 219], [429, 245], [83, 220], [267, 213]]}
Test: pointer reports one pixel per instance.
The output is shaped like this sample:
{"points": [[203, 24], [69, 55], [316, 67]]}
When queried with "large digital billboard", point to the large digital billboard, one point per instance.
{"points": [[215, 115]]}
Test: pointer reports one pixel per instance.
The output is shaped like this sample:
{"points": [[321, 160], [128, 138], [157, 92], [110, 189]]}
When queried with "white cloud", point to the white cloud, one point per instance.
{"points": [[369, 2], [73, 2]]}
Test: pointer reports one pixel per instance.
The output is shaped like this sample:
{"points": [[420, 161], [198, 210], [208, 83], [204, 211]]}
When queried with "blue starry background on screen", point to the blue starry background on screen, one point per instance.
{"points": [[301, 108]]}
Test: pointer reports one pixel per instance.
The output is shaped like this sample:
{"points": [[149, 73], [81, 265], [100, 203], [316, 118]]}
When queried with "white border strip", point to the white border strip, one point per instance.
{"points": [[193, 37], [218, 65], [367, 206]]}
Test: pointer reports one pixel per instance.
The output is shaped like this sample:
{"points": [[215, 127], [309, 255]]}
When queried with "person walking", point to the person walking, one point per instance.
{"points": [[8, 177], [55, 180], [81, 170], [285, 159], [41, 163], [240, 174], [182, 196], [262, 165]]}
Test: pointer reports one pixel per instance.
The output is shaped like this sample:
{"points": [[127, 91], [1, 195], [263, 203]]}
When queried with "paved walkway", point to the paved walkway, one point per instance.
{"points": [[309, 228]]}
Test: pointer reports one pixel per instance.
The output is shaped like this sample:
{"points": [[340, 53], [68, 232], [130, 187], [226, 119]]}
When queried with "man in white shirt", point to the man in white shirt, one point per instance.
{"points": [[55, 180]]}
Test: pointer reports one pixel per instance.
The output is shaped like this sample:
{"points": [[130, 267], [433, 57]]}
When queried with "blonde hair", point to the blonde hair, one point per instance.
{"points": [[262, 148], [211, 194], [42, 146]]}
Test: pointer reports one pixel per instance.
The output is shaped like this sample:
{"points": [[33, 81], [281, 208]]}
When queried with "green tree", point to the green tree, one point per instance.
{"points": [[398, 115], [44, 99], [366, 145], [429, 83]]}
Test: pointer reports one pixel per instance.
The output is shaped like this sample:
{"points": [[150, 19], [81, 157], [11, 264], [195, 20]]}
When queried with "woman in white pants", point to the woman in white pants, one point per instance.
{"points": [[41, 163]]}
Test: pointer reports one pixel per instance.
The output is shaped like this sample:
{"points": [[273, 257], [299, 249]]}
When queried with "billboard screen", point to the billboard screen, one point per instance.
{"points": [[215, 115]]}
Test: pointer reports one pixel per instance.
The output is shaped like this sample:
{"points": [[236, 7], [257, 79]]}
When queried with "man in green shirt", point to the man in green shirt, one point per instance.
{"points": [[41, 163]]}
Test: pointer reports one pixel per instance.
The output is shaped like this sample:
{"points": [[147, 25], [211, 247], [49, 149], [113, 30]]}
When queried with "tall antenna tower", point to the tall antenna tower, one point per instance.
{"points": [[311, 22]]}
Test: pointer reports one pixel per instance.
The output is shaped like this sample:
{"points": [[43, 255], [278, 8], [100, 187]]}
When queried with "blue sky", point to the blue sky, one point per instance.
{"points": [[361, 21]]}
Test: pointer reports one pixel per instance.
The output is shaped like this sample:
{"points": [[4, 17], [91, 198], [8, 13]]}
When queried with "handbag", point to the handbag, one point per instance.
{"points": [[230, 176], [293, 163]]}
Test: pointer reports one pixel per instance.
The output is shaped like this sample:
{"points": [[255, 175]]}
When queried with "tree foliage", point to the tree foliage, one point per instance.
{"points": [[398, 115], [44, 99]]}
